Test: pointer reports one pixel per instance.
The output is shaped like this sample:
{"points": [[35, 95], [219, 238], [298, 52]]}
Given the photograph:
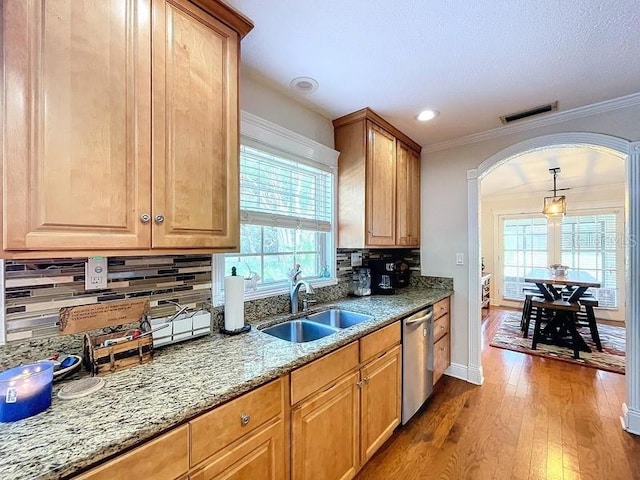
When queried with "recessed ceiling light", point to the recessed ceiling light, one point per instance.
{"points": [[426, 115], [304, 85]]}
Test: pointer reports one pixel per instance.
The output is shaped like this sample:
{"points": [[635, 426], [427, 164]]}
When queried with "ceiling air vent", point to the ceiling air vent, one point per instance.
{"points": [[512, 117]]}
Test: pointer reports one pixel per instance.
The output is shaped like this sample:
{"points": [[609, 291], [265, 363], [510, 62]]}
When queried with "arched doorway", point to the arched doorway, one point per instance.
{"points": [[630, 409]]}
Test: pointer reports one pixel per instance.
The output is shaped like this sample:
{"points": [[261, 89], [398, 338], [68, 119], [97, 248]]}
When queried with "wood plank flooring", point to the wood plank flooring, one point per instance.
{"points": [[534, 418]]}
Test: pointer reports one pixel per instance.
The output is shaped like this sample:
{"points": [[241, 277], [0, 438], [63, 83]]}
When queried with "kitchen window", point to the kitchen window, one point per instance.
{"points": [[287, 218], [587, 241]]}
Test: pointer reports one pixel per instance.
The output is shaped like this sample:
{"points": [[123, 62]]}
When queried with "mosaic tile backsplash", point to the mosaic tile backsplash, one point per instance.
{"points": [[35, 290]]}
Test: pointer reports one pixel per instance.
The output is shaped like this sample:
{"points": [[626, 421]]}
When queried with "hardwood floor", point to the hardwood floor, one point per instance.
{"points": [[534, 418]]}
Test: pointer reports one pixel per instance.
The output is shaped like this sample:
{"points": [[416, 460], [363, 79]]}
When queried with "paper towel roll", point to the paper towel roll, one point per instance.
{"points": [[233, 303]]}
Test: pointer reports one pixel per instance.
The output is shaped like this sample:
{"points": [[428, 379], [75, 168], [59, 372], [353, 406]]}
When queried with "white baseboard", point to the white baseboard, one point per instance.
{"points": [[465, 372], [630, 420], [457, 370], [475, 375]]}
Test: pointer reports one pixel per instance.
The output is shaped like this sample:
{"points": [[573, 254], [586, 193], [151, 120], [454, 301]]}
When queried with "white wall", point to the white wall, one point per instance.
{"points": [[444, 204], [264, 101]]}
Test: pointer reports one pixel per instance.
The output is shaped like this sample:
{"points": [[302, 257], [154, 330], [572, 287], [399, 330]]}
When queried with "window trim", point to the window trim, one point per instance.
{"points": [[260, 133]]}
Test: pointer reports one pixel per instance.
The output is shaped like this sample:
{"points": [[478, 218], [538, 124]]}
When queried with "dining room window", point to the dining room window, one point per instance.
{"points": [[586, 241], [590, 244], [525, 246]]}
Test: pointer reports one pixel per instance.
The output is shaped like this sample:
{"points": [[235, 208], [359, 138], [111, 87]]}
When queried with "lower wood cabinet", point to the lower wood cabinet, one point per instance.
{"points": [[243, 439], [260, 456], [325, 433], [164, 458], [381, 402], [337, 428], [442, 339]]}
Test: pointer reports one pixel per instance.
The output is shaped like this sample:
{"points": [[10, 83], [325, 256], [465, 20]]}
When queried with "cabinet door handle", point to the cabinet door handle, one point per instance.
{"points": [[359, 384], [244, 419], [145, 218], [367, 380], [159, 219]]}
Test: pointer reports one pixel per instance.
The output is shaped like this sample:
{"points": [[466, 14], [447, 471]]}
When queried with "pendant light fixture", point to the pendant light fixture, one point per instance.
{"points": [[556, 205]]}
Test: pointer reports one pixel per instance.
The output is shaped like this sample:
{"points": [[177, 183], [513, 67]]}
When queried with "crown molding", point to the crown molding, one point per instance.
{"points": [[551, 119]]}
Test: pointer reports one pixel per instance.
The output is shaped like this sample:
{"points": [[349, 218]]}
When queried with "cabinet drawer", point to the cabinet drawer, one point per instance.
{"points": [[261, 455], [441, 308], [215, 430], [166, 457], [312, 377], [377, 342], [441, 358], [440, 327]]}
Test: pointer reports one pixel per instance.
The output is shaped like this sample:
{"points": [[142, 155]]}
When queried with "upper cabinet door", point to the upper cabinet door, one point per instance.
{"points": [[380, 187], [408, 196], [76, 152], [195, 129]]}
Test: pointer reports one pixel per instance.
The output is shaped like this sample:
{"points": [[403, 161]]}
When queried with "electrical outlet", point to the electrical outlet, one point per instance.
{"points": [[459, 258], [356, 259], [95, 273]]}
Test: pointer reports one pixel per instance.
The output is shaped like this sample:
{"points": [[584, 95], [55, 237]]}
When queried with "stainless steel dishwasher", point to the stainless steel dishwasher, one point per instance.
{"points": [[417, 361]]}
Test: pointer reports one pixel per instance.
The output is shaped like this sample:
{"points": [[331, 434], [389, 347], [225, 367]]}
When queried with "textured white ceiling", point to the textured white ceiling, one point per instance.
{"points": [[581, 168], [473, 60]]}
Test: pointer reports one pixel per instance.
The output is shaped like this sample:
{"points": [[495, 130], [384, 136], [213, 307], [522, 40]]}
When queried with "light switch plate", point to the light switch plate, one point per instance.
{"points": [[95, 273], [356, 259], [459, 258]]}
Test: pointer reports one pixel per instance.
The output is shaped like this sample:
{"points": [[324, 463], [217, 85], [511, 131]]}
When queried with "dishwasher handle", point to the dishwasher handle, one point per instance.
{"points": [[424, 319]]}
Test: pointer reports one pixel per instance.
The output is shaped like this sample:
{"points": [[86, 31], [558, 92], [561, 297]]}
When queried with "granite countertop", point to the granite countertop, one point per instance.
{"points": [[182, 381]]}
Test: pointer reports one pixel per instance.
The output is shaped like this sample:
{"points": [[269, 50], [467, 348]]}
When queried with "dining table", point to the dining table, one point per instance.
{"points": [[551, 286], [547, 282]]}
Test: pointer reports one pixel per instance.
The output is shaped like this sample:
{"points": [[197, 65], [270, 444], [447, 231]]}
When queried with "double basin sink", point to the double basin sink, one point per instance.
{"points": [[316, 326]]}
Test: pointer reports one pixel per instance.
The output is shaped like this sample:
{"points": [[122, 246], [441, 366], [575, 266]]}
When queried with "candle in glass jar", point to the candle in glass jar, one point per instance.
{"points": [[25, 391]]}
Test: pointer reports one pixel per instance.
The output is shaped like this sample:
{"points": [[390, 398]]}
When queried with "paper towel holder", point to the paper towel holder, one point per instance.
{"points": [[223, 323]]}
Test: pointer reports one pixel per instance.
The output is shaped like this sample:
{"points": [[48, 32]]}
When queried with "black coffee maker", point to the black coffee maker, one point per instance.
{"points": [[383, 277]]}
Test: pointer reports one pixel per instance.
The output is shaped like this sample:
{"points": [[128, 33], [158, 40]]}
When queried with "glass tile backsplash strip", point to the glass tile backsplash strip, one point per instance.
{"points": [[35, 290]]}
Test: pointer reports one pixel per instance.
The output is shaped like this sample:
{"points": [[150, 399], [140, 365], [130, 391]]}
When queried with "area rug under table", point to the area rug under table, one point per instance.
{"points": [[611, 358]]}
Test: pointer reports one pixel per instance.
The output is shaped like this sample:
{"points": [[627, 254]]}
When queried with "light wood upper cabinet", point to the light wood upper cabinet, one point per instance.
{"points": [[82, 170], [195, 128], [378, 183], [408, 196], [76, 162], [380, 187]]}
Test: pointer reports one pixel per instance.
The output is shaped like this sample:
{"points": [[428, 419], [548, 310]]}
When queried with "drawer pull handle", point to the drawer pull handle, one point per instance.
{"points": [[244, 419]]}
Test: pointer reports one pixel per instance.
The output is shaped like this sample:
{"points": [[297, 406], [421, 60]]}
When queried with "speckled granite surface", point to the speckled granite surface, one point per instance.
{"points": [[181, 381]]}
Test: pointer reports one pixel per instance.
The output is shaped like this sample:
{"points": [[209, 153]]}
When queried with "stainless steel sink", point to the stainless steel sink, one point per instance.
{"points": [[338, 318], [299, 331]]}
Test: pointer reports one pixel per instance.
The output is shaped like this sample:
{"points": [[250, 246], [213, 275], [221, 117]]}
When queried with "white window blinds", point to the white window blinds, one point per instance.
{"points": [[590, 244], [276, 191]]}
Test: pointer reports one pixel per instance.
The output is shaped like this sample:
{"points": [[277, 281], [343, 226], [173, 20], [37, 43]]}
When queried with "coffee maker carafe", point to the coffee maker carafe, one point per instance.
{"points": [[383, 277]]}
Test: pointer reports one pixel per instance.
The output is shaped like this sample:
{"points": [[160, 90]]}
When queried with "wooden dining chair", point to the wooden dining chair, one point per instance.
{"points": [[560, 309]]}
